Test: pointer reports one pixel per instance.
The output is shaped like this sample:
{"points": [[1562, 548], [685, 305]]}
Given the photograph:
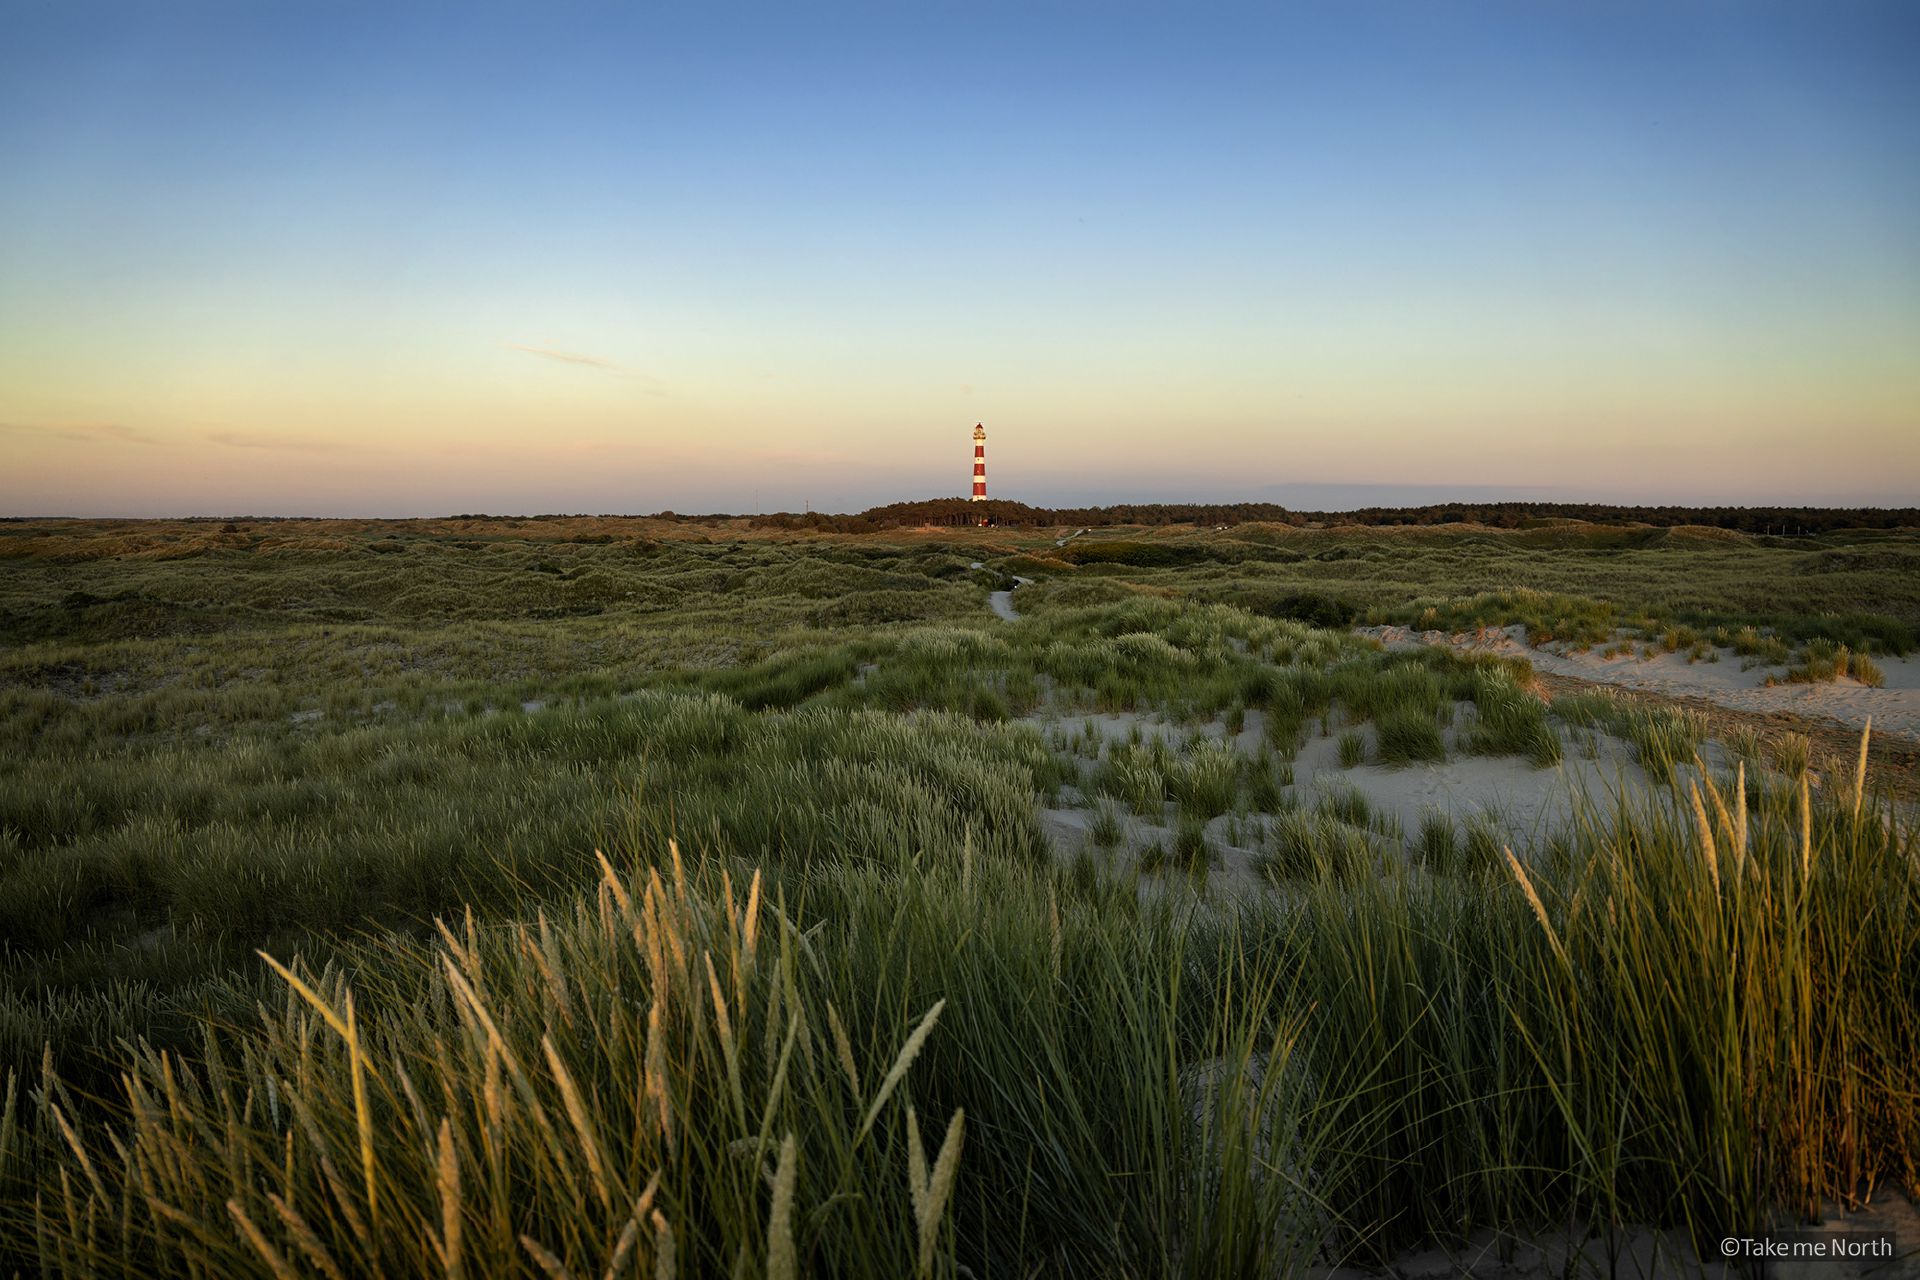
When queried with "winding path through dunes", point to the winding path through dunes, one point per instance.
{"points": [[1001, 602]]}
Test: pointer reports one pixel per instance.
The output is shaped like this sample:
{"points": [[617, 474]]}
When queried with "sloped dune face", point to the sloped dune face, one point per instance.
{"points": [[1726, 679]]}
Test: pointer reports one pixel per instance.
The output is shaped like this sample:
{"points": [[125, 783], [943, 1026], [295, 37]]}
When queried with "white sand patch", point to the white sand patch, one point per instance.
{"points": [[1111, 727], [1528, 804], [1895, 707]]}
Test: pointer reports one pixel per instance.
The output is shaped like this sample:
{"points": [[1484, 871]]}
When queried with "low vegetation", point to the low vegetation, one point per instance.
{"points": [[1823, 660], [584, 897]]}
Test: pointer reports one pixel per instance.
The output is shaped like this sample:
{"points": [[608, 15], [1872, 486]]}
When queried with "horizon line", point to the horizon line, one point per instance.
{"points": [[962, 502]]}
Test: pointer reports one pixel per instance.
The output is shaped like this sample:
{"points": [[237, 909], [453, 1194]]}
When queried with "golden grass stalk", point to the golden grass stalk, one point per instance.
{"points": [[1539, 908], [304, 1235], [930, 1192], [782, 1261], [493, 1098], [1806, 828], [630, 1234], [946, 1172], [448, 1177], [342, 1197], [665, 917], [664, 1265], [537, 952], [622, 1247], [79, 1149], [311, 996], [908, 1052], [544, 1259], [582, 1123], [363, 1115], [276, 1263], [655, 1079], [1860, 770], [1706, 835], [750, 924], [843, 1048], [1728, 822], [728, 1049], [1740, 816], [614, 885], [7, 1126], [916, 1168]]}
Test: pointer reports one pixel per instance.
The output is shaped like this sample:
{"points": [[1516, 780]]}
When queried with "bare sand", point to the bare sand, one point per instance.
{"points": [[1527, 805], [1895, 707]]}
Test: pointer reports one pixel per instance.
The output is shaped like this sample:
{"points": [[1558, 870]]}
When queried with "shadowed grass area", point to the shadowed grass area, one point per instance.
{"points": [[172, 868]]}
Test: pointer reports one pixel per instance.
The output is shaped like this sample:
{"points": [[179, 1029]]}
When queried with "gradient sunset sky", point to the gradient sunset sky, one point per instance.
{"points": [[427, 258]]}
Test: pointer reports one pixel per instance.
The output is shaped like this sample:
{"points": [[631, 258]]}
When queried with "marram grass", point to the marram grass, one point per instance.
{"points": [[1694, 1010], [682, 1074], [634, 1085]]}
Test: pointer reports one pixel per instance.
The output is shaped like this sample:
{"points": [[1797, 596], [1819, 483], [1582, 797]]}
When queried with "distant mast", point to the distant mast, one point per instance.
{"points": [[979, 462]]}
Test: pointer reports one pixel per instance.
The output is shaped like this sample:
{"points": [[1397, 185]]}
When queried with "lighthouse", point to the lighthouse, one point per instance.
{"points": [[979, 462]]}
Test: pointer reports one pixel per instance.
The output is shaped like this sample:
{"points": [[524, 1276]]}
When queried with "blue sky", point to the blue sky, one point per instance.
{"points": [[414, 258]]}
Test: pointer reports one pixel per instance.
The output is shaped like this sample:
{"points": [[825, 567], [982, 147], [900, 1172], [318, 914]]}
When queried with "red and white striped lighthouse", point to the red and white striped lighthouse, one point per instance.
{"points": [[979, 462]]}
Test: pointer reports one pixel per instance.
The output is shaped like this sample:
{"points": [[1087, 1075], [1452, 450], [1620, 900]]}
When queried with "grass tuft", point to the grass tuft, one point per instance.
{"points": [[1410, 737], [1510, 721], [1353, 749]]}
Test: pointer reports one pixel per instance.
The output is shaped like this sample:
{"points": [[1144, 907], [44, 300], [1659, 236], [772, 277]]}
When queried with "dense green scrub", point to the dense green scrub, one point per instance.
{"points": [[1862, 590]]}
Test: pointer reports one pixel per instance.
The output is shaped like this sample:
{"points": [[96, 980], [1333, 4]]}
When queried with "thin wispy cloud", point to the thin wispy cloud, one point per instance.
{"points": [[252, 440], [647, 383], [570, 357], [83, 432]]}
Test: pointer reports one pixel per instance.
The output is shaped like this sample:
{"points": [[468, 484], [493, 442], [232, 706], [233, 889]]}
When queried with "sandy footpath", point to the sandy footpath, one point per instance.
{"points": [[1895, 708], [1001, 602]]}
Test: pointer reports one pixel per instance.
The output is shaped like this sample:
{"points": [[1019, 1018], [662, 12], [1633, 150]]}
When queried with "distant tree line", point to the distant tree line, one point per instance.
{"points": [[1499, 515], [1785, 521]]}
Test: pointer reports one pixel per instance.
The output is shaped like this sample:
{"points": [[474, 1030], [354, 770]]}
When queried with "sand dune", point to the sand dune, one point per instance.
{"points": [[1895, 707]]}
